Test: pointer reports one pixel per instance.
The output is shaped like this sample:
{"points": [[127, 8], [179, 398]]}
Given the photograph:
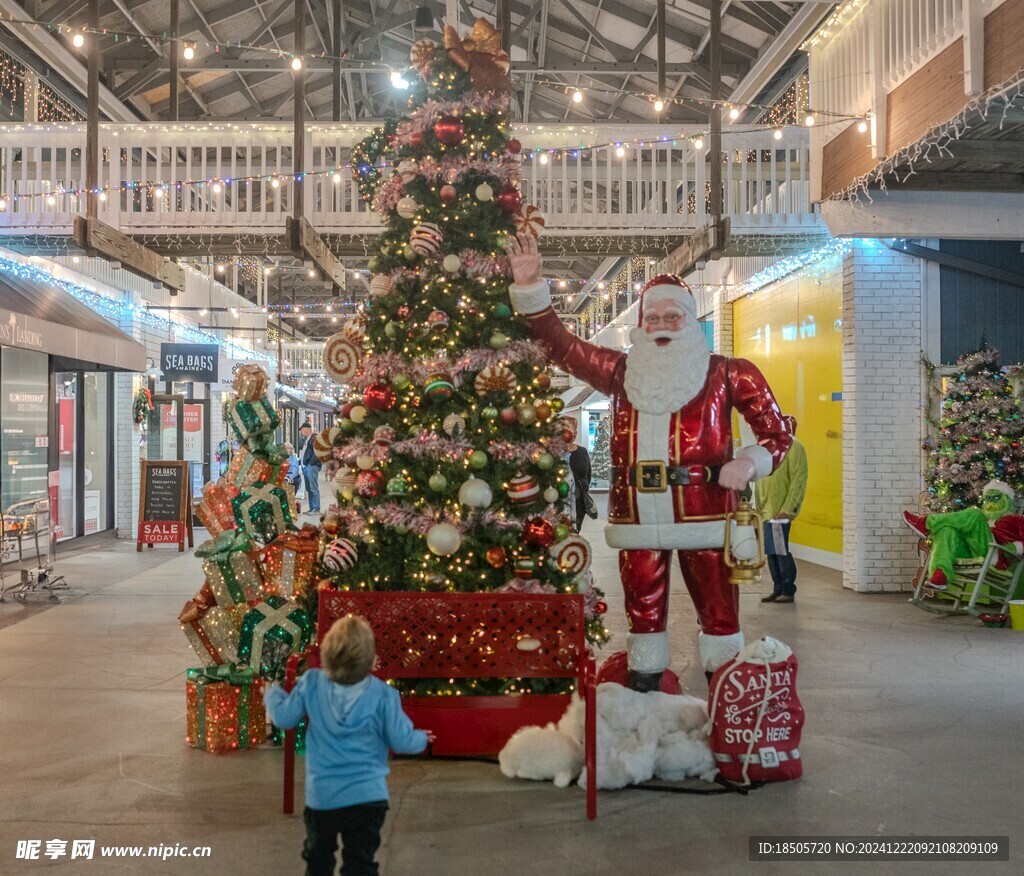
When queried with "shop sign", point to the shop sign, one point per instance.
{"points": [[15, 331], [189, 362]]}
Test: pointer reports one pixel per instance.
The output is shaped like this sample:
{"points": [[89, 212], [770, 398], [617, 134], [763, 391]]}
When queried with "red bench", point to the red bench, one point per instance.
{"points": [[469, 635]]}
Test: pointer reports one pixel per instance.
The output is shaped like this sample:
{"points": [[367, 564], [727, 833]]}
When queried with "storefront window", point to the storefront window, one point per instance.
{"points": [[66, 420], [97, 449], [24, 389]]}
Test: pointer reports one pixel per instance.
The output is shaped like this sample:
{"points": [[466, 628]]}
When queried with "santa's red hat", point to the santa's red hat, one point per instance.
{"points": [[668, 287]]}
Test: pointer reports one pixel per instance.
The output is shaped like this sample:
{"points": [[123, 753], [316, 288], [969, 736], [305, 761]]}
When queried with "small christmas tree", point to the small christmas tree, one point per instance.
{"points": [[451, 477], [601, 461], [979, 434]]}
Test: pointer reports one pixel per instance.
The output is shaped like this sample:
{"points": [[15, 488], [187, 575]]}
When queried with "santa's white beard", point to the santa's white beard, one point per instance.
{"points": [[660, 380]]}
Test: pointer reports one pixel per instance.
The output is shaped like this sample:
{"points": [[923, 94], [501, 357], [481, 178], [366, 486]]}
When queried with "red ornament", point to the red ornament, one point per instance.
{"points": [[510, 199], [600, 606], [449, 193], [543, 380], [449, 130], [508, 416], [538, 532], [369, 483], [417, 139], [514, 146], [496, 557], [379, 397], [346, 410], [404, 311], [543, 410]]}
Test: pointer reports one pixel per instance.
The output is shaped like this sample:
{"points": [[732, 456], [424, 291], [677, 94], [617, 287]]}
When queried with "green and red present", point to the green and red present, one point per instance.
{"points": [[250, 382], [215, 511], [212, 631], [290, 559], [231, 564], [224, 709], [265, 511], [271, 631], [249, 418], [248, 467]]}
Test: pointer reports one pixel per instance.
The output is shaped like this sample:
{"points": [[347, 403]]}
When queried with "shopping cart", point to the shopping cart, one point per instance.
{"points": [[27, 551]]}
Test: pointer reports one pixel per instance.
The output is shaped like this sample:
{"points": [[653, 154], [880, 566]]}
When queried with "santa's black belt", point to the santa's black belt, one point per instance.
{"points": [[654, 476]]}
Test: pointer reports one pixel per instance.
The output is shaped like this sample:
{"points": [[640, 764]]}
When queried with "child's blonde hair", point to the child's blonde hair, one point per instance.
{"points": [[348, 650]]}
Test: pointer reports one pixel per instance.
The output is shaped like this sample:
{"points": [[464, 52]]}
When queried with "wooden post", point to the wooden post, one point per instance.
{"points": [[715, 151], [661, 51], [173, 115], [336, 51], [92, 124], [299, 142], [505, 24]]}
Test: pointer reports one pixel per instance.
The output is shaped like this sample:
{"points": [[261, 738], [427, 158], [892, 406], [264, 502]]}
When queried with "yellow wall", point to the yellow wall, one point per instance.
{"points": [[793, 332]]}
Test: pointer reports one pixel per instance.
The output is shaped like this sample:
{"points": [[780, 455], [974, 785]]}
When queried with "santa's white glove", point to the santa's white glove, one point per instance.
{"points": [[737, 473]]}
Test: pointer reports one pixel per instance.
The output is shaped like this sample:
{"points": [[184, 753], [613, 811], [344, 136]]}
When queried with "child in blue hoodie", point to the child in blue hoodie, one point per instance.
{"points": [[354, 719]]}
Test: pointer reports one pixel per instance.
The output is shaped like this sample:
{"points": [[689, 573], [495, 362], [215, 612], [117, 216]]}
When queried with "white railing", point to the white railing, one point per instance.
{"points": [[237, 178]]}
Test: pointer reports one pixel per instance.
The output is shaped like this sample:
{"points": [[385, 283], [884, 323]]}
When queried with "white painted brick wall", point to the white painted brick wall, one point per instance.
{"points": [[882, 431], [723, 324]]}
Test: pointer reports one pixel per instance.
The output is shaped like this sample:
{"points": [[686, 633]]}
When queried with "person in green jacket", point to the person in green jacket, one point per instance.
{"points": [[779, 497]]}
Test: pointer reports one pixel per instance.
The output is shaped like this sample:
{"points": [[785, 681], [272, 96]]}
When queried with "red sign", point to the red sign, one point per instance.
{"points": [[66, 425], [161, 531]]}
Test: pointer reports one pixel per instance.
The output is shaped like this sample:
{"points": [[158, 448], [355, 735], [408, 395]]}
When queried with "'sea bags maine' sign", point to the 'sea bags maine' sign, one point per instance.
{"points": [[195, 362]]}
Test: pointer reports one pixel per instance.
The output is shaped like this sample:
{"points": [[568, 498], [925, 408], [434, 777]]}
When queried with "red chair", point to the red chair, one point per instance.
{"points": [[469, 635]]}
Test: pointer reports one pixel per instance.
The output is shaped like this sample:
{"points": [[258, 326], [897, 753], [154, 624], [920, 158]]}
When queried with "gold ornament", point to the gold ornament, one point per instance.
{"points": [[480, 55]]}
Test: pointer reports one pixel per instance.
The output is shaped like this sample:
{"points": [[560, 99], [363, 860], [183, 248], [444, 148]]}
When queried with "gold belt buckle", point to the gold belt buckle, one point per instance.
{"points": [[652, 476]]}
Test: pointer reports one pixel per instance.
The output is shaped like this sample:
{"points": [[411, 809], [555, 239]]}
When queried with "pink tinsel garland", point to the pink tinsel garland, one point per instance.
{"points": [[449, 169]]}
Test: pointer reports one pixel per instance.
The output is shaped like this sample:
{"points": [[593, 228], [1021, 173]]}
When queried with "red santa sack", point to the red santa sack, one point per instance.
{"points": [[756, 716]]}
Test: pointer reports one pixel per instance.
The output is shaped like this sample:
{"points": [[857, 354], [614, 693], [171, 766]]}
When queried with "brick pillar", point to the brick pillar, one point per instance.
{"points": [[722, 310], [882, 424]]}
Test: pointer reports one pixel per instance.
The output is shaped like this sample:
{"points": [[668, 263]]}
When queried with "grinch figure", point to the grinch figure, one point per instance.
{"points": [[962, 535]]}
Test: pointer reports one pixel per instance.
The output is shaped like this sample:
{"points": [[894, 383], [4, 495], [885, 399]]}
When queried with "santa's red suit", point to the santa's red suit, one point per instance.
{"points": [[665, 458]]}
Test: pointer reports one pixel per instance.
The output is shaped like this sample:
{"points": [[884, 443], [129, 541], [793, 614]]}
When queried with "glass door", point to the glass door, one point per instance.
{"points": [[196, 436], [166, 435], [66, 392]]}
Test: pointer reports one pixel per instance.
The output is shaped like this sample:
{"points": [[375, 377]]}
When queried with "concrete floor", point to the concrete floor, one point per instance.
{"points": [[913, 727]]}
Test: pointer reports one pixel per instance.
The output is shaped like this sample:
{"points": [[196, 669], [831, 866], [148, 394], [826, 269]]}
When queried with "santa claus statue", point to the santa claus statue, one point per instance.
{"points": [[674, 473]]}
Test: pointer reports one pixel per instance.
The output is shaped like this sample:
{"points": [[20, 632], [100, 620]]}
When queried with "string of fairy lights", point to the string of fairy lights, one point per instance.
{"points": [[15, 90]]}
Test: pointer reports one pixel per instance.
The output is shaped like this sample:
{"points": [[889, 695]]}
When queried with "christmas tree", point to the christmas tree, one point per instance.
{"points": [[452, 474], [978, 434], [601, 463]]}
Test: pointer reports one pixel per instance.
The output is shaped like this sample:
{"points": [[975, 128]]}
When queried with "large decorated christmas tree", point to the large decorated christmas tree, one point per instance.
{"points": [[453, 475], [979, 434]]}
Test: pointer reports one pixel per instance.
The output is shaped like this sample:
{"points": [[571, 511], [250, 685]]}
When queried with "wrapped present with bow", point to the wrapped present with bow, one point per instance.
{"points": [[234, 573], [224, 709], [265, 511], [290, 559], [250, 382], [480, 55], [211, 630], [253, 467], [215, 511], [272, 631], [249, 418]]}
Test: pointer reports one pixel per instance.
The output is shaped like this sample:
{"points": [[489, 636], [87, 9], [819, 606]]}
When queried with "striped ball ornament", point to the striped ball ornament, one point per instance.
{"points": [[340, 555], [381, 285], [523, 490], [426, 239], [323, 447], [438, 387]]}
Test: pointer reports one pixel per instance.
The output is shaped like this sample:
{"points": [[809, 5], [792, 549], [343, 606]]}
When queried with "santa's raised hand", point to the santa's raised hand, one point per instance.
{"points": [[524, 259]]}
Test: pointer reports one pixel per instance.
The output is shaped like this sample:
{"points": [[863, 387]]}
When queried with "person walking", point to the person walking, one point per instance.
{"points": [[779, 497], [311, 466], [579, 465]]}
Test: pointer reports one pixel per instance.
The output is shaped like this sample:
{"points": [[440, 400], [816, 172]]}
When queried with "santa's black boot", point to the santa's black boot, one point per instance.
{"points": [[643, 682], [707, 674]]}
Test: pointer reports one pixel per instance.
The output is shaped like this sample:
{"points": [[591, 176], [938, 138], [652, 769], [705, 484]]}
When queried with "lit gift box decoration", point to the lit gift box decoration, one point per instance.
{"points": [[265, 511], [224, 709], [290, 559], [211, 630], [250, 383], [250, 418], [273, 630], [232, 568], [249, 468], [215, 511]]}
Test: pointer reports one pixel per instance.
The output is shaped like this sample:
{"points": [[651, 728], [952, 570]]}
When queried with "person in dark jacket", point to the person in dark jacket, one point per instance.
{"points": [[579, 465], [311, 466]]}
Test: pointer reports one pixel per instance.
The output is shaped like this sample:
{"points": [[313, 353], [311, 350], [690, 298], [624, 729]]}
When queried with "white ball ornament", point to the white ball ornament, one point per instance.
{"points": [[407, 170], [476, 493], [551, 495], [484, 192], [380, 285], [451, 263], [364, 463], [443, 539], [454, 426], [407, 207], [358, 414]]}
